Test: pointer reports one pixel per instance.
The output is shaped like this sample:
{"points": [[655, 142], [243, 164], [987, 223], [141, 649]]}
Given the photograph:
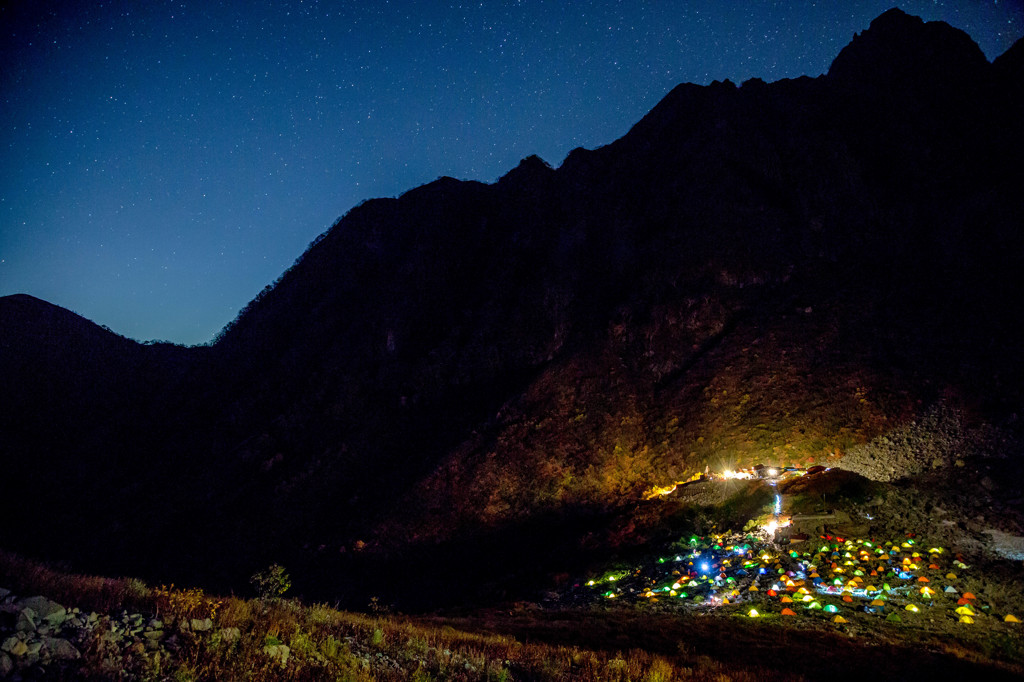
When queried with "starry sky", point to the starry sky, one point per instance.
{"points": [[163, 161]]}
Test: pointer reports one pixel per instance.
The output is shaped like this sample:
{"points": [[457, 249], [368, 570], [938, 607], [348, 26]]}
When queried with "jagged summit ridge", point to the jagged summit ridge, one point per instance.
{"points": [[905, 51]]}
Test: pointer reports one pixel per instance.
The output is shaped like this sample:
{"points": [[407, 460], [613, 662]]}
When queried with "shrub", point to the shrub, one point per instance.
{"points": [[271, 583]]}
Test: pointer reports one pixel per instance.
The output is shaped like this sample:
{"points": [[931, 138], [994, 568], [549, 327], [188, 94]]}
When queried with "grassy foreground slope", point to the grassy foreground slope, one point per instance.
{"points": [[132, 631]]}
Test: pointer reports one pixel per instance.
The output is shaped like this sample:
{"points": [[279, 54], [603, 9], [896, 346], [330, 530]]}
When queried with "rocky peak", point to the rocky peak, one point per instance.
{"points": [[530, 170], [904, 51], [1010, 64]]}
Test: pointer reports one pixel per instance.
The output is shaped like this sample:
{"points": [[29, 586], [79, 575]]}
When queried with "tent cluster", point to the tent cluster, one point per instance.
{"points": [[835, 578]]}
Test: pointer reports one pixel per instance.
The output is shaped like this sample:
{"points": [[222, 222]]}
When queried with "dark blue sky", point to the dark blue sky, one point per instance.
{"points": [[164, 161]]}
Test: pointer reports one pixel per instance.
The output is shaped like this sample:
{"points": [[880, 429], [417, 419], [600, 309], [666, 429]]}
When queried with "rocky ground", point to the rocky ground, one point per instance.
{"points": [[42, 639]]}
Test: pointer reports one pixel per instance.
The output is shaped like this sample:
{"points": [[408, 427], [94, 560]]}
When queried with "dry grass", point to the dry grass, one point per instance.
{"points": [[88, 592], [248, 638], [323, 643]]}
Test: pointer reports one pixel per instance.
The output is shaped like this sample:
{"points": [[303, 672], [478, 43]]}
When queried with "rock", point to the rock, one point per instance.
{"points": [[61, 649], [6, 665], [8, 644], [26, 621], [230, 635], [44, 609], [18, 649], [278, 652], [154, 635], [4, 592], [201, 625]]}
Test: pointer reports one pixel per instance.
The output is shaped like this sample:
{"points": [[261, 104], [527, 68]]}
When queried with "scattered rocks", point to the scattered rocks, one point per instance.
{"points": [[43, 609], [1007, 545], [61, 649], [40, 638]]}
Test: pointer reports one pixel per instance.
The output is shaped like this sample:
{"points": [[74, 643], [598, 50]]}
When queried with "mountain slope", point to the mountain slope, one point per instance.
{"points": [[766, 272]]}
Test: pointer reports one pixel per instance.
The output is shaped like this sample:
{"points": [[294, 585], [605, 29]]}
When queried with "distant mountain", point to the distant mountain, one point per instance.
{"points": [[479, 374]]}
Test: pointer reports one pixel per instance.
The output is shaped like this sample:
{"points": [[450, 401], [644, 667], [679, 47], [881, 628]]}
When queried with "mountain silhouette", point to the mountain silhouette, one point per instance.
{"points": [[470, 374]]}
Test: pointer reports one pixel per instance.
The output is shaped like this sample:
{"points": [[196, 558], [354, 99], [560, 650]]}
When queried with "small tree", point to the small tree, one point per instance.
{"points": [[271, 583]]}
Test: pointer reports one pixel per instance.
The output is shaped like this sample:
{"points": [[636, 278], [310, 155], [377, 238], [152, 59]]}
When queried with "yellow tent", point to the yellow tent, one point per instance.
{"points": [[1010, 618]]}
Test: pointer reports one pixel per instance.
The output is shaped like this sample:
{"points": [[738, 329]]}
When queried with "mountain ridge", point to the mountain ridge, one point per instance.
{"points": [[480, 360]]}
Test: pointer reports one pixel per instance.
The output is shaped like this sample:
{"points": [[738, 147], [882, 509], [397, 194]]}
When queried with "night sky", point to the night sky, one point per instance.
{"points": [[164, 161]]}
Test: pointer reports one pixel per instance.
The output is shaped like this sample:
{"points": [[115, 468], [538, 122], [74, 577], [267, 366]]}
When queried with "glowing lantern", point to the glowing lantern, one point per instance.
{"points": [[913, 608], [832, 608], [753, 613]]}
